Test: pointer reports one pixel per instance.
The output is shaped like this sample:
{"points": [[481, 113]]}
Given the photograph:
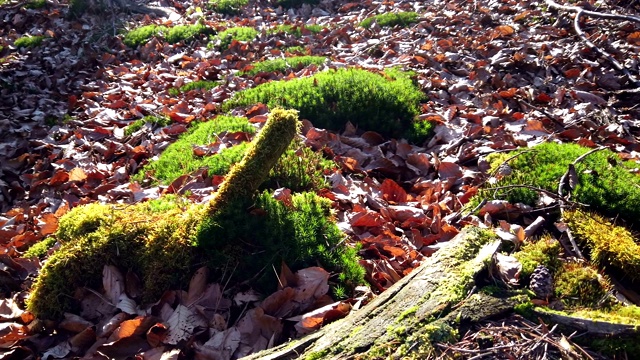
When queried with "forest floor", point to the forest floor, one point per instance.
{"points": [[498, 75]]}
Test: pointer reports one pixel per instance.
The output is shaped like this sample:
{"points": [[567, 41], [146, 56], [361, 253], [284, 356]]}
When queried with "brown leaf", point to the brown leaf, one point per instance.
{"points": [[393, 192], [197, 285], [113, 283]]}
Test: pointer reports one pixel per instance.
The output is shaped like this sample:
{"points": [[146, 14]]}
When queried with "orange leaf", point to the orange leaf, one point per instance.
{"points": [[59, 178], [77, 174], [505, 30], [393, 192]]}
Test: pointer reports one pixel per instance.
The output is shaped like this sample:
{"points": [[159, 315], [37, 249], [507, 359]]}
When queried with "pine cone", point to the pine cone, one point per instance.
{"points": [[541, 282]]}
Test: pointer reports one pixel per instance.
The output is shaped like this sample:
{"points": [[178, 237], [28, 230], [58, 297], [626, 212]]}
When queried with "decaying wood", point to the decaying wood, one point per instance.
{"points": [[430, 295]]}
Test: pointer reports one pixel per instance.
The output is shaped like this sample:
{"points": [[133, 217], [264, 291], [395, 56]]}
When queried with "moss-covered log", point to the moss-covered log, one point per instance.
{"points": [[403, 320]]}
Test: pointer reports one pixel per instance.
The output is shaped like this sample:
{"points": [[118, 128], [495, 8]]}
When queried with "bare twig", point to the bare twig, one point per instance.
{"points": [[576, 24]]}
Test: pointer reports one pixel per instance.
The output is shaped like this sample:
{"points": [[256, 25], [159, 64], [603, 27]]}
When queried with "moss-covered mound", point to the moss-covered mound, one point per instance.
{"points": [[605, 183], [608, 244], [386, 103], [194, 85], [164, 240], [391, 19], [239, 33], [172, 35], [281, 65], [179, 158], [229, 7], [154, 245], [299, 168], [544, 251]]}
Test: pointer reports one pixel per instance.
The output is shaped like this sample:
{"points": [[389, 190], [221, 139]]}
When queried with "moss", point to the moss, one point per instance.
{"points": [[194, 85], [172, 35], [545, 251], [386, 104], [179, 159], [525, 309], [141, 35], [240, 33], [406, 313], [608, 244], [35, 4], [317, 355], [613, 190], [138, 124], [41, 248], [281, 65], [180, 33], [154, 246], [228, 7], [580, 285], [391, 19], [28, 41]]}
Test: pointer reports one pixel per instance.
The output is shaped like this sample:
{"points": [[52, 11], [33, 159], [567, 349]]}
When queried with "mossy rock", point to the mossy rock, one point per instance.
{"points": [[605, 183], [387, 103], [164, 240]]}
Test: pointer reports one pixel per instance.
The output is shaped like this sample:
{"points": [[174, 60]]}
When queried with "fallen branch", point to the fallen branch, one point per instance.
{"points": [[576, 24]]}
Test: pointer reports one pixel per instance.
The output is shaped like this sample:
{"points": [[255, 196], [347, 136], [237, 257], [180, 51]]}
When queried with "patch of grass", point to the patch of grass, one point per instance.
{"points": [[179, 159], [195, 85], [239, 33], [172, 35], [391, 19], [138, 124], [281, 65], [28, 41], [605, 182], [608, 244], [228, 7], [297, 31], [387, 104]]}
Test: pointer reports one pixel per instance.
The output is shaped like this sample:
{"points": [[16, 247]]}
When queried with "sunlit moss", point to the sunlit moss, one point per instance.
{"points": [[580, 285], [28, 41], [281, 65], [391, 19], [608, 244], [545, 251]]}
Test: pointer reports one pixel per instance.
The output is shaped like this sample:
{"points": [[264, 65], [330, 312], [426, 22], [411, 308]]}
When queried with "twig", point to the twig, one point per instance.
{"points": [[576, 24], [543, 111]]}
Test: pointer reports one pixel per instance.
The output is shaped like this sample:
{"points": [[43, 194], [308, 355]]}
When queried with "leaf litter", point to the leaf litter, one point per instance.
{"points": [[497, 77]]}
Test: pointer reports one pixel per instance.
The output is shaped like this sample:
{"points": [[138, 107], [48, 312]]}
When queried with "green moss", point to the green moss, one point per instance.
{"points": [[179, 33], [406, 313], [229, 7], [391, 19], [317, 355], [579, 285], [41, 248], [194, 85], [608, 244], [141, 35], [297, 31], [28, 41], [545, 251], [179, 159], [525, 309], [329, 99], [35, 4], [300, 234], [138, 124], [281, 65], [610, 189], [240, 33], [155, 247], [172, 35]]}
